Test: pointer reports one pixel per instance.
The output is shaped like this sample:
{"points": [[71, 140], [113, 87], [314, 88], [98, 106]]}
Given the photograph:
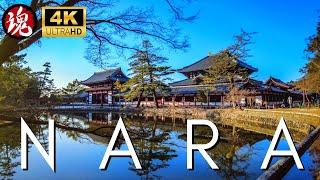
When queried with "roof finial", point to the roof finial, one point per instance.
{"points": [[209, 53]]}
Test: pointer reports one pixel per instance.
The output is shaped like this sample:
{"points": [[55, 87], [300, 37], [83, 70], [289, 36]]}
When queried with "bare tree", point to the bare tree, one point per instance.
{"points": [[109, 30]]}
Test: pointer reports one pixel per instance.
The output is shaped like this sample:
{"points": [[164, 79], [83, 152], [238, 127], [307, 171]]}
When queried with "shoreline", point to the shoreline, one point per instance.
{"points": [[300, 122], [294, 114], [310, 116]]}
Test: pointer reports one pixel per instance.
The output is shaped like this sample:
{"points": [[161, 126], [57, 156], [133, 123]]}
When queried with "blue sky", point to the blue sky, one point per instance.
{"points": [[282, 27]]}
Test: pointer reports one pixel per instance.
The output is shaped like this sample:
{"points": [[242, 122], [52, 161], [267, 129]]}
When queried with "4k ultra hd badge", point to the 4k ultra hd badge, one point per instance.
{"points": [[63, 21], [19, 21]]}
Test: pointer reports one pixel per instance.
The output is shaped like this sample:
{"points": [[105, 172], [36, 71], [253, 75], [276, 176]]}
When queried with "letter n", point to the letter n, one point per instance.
{"points": [[201, 147], [26, 132], [272, 152]]}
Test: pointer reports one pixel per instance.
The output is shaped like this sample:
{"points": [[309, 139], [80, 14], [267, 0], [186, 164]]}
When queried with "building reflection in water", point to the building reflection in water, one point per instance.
{"points": [[157, 141]]}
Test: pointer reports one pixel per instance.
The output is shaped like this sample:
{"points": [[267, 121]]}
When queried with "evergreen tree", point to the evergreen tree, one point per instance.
{"points": [[46, 83], [72, 89], [148, 74], [225, 66], [19, 86], [310, 82], [15, 82], [32, 93]]}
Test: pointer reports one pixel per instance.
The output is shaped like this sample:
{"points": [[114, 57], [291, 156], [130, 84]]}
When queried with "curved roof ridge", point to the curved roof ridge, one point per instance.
{"points": [[194, 63], [109, 69], [205, 63], [105, 75]]}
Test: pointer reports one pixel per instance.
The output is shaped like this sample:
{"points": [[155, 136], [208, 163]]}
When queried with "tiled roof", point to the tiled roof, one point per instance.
{"points": [[188, 86], [109, 74], [275, 89], [206, 62], [278, 82], [295, 92], [185, 82], [198, 81], [184, 90], [221, 88], [180, 87]]}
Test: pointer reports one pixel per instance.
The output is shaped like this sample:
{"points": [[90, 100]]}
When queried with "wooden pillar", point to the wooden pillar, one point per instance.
{"points": [[93, 99], [183, 100], [146, 101], [173, 123], [266, 100], [215, 102], [195, 100], [208, 100], [112, 98], [174, 100], [222, 101], [234, 131], [101, 98]]}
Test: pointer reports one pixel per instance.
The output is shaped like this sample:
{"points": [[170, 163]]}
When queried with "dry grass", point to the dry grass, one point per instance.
{"points": [[309, 116], [299, 115], [314, 111]]}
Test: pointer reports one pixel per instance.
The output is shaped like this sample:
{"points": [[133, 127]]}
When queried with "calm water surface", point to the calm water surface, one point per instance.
{"points": [[160, 144]]}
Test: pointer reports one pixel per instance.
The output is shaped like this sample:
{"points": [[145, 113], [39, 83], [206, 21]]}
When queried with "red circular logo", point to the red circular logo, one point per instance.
{"points": [[19, 21]]}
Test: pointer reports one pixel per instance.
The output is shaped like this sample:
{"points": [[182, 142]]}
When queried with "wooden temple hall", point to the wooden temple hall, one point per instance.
{"points": [[273, 92], [101, 86]]}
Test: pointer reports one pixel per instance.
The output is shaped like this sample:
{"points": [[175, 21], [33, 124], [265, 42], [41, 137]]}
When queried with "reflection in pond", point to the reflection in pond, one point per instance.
{"points": [[9, 151], [153, 149], [160, 143], [10, 147], [315, 153]]}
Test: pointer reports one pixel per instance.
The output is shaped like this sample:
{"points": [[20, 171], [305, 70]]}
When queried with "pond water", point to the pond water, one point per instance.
{"points": [[159, 142]]}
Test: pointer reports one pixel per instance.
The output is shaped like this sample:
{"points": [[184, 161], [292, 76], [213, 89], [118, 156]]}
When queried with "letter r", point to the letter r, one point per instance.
{"points": [[201, 147]]}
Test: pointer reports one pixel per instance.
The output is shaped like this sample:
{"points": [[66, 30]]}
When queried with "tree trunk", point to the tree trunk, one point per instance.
{"points": [[318, 99], [233, 98], [139, 99], [222, 101], [155, 98], [308, 100], [233, 103]]}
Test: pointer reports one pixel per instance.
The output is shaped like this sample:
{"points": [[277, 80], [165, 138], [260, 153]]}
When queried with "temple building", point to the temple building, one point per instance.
{"points": [[277, 91], [101, 88], [192, 91], [273, 92]]}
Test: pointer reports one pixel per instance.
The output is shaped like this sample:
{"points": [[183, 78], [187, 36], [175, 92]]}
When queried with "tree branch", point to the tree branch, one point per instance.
{"points": [[178, 13], [133, 22]]}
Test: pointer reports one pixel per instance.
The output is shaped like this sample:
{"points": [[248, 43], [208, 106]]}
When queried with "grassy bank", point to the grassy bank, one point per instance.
{"points": [[310, 111], [309, 116]]}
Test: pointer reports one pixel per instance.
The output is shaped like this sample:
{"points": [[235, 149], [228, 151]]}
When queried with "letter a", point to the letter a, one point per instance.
{"points": [[26, 131], [271, 152], [110, 152], [201, 147]]}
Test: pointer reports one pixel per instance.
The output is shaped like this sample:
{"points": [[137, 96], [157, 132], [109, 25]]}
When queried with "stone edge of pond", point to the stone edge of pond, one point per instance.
{"points": [[281, 167]]}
